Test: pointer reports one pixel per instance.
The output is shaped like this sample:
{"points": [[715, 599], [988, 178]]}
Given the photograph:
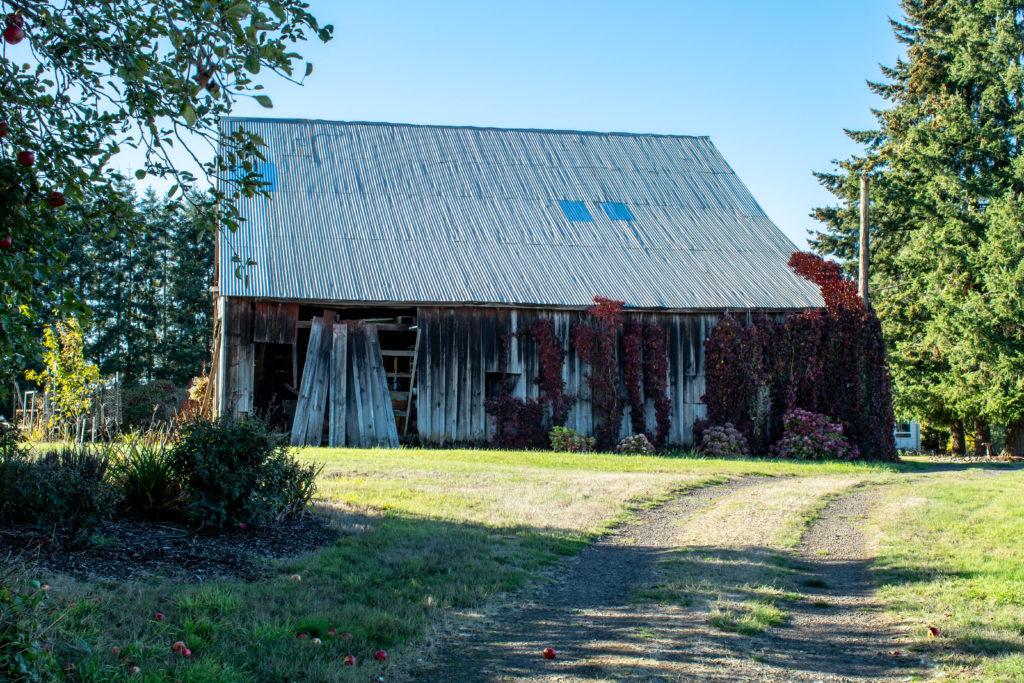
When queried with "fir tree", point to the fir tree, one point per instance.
{"points": [[946, 197]]}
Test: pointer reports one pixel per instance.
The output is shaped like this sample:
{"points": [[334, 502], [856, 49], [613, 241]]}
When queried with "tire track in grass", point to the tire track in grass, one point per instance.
{"points": [[586, 614]]}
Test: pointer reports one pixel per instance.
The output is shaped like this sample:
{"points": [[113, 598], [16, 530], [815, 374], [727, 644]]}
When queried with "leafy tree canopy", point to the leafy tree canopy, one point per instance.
{"points": [[86, 80]]}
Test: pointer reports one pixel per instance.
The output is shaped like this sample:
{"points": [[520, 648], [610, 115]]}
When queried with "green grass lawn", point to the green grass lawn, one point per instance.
{"points": [[425, 533], [953, 559]]}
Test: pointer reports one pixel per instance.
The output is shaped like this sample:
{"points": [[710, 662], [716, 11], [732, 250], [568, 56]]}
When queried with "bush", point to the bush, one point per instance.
{"points": [[724, 441], [565, 439], [635, 445], [811, 436], [142, 469], [24, 655], [238, 470], [65, 492], [141, 404]]}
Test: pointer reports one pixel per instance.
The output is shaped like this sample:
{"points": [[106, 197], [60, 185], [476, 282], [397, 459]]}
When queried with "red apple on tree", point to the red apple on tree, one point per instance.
{"points": [[6, 242], [14, 34], [3, 129], [26, 158], [56, 200]]}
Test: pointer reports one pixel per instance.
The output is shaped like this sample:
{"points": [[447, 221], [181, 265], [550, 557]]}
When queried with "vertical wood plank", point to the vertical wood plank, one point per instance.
{"points": [[425, 369], [302, 404], [319, 393], [339, 386], [386, 427], [355, 408]]}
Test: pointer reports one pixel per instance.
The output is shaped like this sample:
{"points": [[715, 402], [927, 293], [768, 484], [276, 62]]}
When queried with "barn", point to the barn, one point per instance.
{"points": [[376, 293]]}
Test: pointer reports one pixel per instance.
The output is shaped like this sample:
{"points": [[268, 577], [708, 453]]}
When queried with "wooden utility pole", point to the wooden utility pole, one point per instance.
{"points": [[864, 245]]}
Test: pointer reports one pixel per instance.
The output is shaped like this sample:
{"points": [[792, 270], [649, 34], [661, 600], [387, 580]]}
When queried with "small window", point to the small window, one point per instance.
{"points": [[575, 211], [617, 211]]}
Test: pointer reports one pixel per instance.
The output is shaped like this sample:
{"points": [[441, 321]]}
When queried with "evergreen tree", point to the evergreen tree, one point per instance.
{"points": [[947, 179]]}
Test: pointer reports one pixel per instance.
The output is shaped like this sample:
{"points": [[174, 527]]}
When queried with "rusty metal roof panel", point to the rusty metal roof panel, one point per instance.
{"points": [[376, 212]]}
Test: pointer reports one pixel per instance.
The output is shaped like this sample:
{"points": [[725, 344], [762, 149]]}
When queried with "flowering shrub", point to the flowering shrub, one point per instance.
{"points": [[724, 442], [565, 439], [635, 445], [812, 436]]}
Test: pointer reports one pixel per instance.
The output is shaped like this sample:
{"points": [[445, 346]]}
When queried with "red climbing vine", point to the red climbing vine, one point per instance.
{"points": [[595, 341], [656, 381], [633, 350]]}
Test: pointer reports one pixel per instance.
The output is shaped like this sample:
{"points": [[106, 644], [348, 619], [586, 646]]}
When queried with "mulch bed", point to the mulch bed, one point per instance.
{"points": [[994, 459], [127, 549]]}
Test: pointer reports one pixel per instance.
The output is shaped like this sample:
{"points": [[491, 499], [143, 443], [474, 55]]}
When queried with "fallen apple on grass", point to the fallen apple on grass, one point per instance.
{"points": [[186, 653], [349, 660], [332, 631], [316, 641], [345, 635], [549, 653], [134, 671], [300, 636], [380, 655], [158, 617], [178, 647], [116, 651]]}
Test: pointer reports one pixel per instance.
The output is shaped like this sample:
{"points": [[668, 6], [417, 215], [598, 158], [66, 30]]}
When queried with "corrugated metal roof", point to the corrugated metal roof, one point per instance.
{"points": [[380, 212]]}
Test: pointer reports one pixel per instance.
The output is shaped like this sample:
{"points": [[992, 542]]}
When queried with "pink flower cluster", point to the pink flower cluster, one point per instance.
{"points": [[635, 445], [812, 436], [724, 441]]}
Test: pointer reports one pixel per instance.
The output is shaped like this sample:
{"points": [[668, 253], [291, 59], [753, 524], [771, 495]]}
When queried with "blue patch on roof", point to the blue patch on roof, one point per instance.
{"points": [[576, 211], [617, 211], [266, 169]]}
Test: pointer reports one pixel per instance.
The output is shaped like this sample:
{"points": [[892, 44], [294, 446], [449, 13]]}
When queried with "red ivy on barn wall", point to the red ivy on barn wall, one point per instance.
{"points": [[633, 348], [521, 422], [832, 363], [656, 381], [595, 341]]}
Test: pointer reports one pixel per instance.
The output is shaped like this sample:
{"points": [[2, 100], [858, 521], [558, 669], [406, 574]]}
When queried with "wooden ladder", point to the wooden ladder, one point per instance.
{"points": [[403, 400]]}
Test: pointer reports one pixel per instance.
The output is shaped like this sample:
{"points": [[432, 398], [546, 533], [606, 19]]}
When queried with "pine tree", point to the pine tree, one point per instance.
{"points": [[947, 179]]}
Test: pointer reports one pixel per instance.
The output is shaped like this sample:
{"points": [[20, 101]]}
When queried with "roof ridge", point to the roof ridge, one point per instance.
{"points": [[462, 127]]}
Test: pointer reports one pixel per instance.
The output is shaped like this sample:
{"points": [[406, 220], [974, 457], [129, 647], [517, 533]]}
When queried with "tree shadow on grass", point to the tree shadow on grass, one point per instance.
{"points": [[600, 630]]}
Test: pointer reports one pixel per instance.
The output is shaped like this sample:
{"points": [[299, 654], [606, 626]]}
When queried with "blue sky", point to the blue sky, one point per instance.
{"points": [[773, 84]]}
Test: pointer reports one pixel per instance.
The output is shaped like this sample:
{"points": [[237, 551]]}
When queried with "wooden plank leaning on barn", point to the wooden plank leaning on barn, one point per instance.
{"points": [[385, 427], [298, 437], [321, 382], [357, 412], [339, 386]]}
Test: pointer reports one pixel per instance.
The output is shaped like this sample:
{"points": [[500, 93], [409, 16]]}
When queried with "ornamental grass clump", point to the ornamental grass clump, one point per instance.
{"points": [[812, 436], [724, 441], [635, 445]]}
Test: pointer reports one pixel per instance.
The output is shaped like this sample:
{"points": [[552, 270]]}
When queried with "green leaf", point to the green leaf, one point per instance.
{"points": [[309, 68], [265, 101], [238, 10], [252, 63], [140, 174], [189, 114]]}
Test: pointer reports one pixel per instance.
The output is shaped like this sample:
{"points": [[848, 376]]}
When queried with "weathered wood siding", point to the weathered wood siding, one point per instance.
{"points": [[238, 355], [461, 348]]}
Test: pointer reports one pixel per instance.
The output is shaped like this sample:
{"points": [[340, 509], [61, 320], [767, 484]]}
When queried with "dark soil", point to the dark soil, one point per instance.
{"points": [[119, 550]]}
